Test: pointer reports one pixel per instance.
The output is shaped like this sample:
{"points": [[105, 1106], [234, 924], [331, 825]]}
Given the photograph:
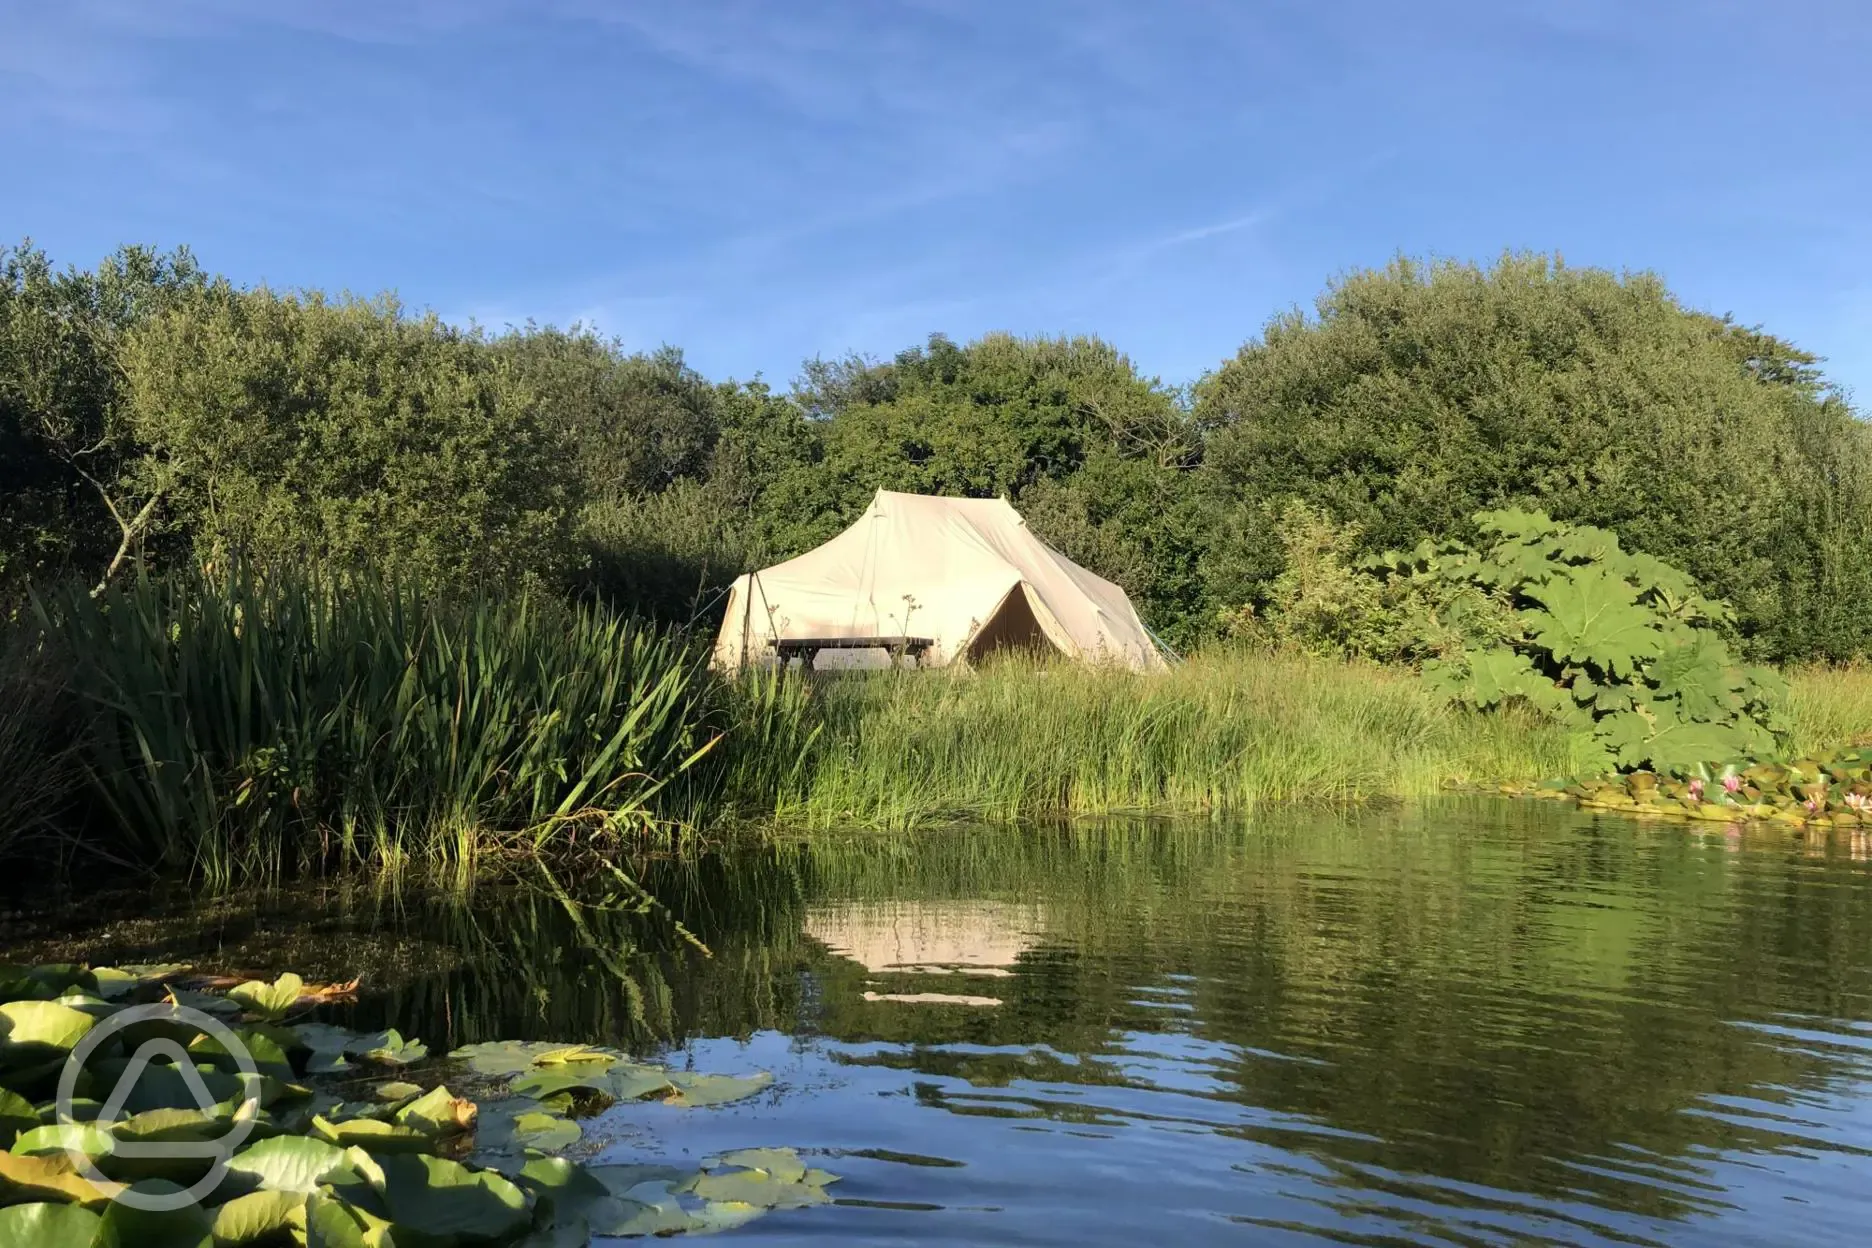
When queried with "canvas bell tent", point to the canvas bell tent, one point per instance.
{"points": [[943, 579]]}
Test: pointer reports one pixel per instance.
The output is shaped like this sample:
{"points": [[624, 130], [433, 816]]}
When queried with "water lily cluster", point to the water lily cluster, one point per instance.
{"points": [[346, 1139], [1832, 790]]}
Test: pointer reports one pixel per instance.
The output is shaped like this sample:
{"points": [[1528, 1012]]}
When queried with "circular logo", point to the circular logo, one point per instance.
{"points": [[218, 1151]]}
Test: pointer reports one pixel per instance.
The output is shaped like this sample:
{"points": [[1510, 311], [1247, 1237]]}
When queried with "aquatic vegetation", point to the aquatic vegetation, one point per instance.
{"points": [[1833, 789], [299, 1131], [1620, 647]]}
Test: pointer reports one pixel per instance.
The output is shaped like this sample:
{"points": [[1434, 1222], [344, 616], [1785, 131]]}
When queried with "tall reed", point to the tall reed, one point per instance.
{"points": [[1225, 730], [39, 774], [247, 724]]}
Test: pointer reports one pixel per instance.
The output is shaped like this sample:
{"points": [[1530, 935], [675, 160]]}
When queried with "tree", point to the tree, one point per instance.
{"points": [[76, 492], [342, 430], [1419, 395]]}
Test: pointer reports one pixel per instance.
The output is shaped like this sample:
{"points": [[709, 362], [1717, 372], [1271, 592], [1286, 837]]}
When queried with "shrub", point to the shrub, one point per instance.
{"points": [[1621, 646]]}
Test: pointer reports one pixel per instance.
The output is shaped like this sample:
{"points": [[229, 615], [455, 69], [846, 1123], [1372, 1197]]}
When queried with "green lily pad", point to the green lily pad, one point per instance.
{"points": [[388, 1048], [169, 1125], [372, 1135], [332, 1222], [783, 1163], [53, 1226], [35, 1031], [263, 1048], [544, 1083], [113, 983], [697, 1091], [438, 1113], [395, 1091], [269, 1001], [759, 1187], [445, 1199], [187, 1227], [16, 1115], [257, 1216], [505, 1057], [287, 1163], [648, 1209], [51, 1177], [83, 1138], [546, 1132]]}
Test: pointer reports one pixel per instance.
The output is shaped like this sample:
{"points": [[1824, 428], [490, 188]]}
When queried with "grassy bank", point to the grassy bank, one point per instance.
{"points": [[237, 726], [1223, 731]]}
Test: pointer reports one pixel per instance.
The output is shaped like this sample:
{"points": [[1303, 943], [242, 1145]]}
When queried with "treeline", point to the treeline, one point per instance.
{"points": [[149, 410]]}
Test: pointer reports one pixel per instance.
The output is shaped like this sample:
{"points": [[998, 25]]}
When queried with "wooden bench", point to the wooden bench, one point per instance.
{"points": [[807, 649]]}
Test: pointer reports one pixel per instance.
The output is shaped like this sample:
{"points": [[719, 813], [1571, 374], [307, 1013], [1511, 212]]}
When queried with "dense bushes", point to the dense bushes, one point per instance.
{"points": [[146, 409], [1419, 396]]}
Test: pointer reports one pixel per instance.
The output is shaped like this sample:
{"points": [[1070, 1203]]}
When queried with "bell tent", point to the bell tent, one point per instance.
{"points": [[942, 579]]}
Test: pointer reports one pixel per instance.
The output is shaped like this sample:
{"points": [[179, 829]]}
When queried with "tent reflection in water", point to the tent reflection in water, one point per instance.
{"points": [[949, 579]]}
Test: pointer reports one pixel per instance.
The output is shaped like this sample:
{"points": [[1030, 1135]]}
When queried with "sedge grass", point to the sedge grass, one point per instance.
{"points": [[1828, 706], [1223, 731]]}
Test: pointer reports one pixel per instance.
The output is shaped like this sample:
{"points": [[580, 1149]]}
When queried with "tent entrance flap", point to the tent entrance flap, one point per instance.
{"points": [[1012, 627]]}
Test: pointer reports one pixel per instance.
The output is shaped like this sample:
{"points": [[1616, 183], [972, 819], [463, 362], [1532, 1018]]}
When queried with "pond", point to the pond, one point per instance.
{"points": [[1468, 1022]]}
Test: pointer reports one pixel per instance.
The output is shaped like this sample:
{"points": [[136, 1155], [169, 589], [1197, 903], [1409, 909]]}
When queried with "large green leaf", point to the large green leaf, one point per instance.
{"points": [[1592, 616], [35, 1031], [270, 1001], [257, 1216], [287, 1163], [1699, 673], [133, 1227], [54, 1226], [445, 1199]]}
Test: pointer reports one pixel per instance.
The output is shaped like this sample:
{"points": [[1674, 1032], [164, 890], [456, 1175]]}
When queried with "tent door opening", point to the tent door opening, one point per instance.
{"points": [[1012, 629]]}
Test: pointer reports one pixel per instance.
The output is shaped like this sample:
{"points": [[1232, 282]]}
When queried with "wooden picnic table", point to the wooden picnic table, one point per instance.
{"points": [[807, 648]]}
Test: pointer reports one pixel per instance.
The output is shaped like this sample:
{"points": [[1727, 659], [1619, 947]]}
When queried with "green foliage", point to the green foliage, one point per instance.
{"points": [[248, 724], [1620, 646], [347, 433], [304, 1165], [1421, 395]]}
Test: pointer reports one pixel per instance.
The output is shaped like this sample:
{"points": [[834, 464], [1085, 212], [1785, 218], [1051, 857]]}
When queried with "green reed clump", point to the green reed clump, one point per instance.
{"points": [[247, 723], [1223, 731], [39, 774], [1827, 707]]}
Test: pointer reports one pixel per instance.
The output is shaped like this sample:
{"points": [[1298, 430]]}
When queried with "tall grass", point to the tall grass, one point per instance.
{"points": [[1224, 731], [39, 773], [246, 725], [1829, 706]]}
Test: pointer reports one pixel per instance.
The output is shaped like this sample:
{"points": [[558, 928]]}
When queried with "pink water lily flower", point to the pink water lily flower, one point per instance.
{"points": [[1732, 783], [1696, 790]]}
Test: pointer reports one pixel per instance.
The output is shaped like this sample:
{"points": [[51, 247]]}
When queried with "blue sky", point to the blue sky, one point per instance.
{"points": [[759, 181]]}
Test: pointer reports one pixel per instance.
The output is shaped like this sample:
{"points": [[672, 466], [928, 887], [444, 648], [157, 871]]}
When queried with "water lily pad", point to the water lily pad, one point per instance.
{"points": [[257, 1216], [695, 1091], [189, 1226], [53, 1226], [169, 1125], [575, 1055], [269, 1001], [445, 1199], [373, 1135], [51, 1177], [332, 1222], [396, 1091], [263, 1049], [783, 1163], [547, 1132], [35, 1031], [759, 1187], [41, 983], [61, 1138], [543, 1083], [438, 1113], [287, 1163], [16, 1115], [388, 1048], [505, 1057], [648, 1209], [113, 983]]}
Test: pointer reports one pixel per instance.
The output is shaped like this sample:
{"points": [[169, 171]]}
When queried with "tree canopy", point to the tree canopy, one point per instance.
{"points": [[149, 409]]}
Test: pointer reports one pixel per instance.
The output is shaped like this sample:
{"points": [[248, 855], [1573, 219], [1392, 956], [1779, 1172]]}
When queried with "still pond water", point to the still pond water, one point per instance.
{"points": [[1464, 1023]]}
